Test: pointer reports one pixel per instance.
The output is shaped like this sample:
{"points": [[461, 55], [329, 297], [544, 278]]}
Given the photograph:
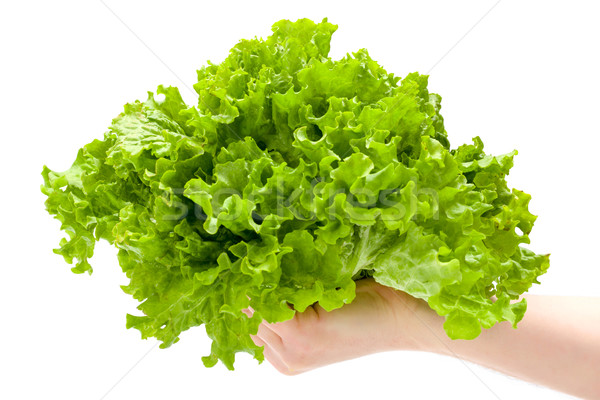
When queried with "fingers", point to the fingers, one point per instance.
{"points": [[273, 357], [300, 322], [270, 341], [265, 334], [248, 312], [283, 329], [270, 337], [284, 342]]}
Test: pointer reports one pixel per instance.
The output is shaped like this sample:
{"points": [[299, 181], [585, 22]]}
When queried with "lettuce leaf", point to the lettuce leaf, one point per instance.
{"points": [[294, 176]]}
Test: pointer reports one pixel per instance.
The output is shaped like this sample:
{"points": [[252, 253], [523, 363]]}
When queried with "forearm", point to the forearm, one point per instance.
{"points": [[557, 344]]}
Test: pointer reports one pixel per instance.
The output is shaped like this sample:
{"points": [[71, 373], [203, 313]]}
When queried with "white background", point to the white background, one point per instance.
{"points": [[525, 77]]}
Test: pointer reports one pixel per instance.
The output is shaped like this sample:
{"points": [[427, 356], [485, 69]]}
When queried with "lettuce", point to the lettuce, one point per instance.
{"points": [[294, 176]]}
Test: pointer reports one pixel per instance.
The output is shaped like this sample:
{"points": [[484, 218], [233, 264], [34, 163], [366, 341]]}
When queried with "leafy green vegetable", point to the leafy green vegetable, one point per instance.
{"points": [[294, 176]]}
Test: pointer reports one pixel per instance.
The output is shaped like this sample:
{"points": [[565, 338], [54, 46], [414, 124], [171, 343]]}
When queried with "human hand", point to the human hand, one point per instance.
{"points": [[556, 331], [379, 319]]}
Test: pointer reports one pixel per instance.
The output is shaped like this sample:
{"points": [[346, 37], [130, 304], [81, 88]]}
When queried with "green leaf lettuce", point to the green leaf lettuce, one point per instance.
{"points": [[294, 176]]}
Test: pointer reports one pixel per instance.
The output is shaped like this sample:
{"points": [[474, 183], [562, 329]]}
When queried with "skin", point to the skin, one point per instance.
{"points": [[556, 345]]}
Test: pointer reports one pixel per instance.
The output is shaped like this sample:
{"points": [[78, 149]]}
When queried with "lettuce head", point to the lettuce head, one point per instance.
{"points": [[292, 177]]}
